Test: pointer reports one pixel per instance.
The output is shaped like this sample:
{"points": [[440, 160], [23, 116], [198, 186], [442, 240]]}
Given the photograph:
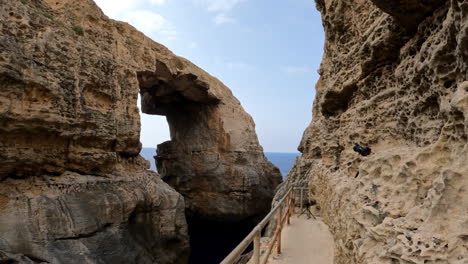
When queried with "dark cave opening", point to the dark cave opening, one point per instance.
{"points": [[211, 241]]}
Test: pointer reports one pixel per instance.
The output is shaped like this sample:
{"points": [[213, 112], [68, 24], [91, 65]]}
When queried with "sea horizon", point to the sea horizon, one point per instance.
{"points": [[283, 160]]}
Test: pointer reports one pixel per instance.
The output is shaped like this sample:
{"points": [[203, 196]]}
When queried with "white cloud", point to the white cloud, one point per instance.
{"points": [[134, 12], [296, 69], [222, 18], [152, 24], [158, 2], [219, 5], [115, 10]]}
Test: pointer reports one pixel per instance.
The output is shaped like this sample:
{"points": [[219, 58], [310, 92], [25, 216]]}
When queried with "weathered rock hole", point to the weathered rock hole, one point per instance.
{"points": [[430, 106], [337, 102], [449, 83]]}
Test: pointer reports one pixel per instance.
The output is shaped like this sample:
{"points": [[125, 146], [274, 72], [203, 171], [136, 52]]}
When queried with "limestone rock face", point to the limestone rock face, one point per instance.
{"points": [[393, 77], [74, 189], [92, 219], [72, 184]]}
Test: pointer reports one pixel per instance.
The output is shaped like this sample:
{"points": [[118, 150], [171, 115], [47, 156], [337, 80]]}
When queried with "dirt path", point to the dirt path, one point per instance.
{"points": [[305, 241]]}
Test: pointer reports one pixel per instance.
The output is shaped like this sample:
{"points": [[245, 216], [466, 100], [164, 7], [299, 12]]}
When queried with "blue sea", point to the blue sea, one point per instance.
{"points": [[283, 160]]}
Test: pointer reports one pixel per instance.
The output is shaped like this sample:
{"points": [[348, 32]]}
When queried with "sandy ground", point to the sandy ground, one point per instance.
{"points": [[305, 241]]}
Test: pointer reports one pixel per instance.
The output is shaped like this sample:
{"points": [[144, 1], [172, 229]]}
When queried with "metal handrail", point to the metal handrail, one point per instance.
{"points": [[254, 235]]}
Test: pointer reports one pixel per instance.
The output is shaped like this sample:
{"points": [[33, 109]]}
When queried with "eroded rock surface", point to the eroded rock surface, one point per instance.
{"points": [[73, 186], [393, 77], [91, 219]]}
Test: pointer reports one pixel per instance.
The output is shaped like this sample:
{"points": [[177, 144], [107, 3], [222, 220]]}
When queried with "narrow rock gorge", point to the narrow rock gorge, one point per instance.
{"points": [[73, 187], [394, 77]]}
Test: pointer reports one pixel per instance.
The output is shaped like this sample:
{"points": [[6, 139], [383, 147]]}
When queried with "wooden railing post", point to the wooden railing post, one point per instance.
{"points": [[293, 202], [302, 194], [280, 217], [289, 209], [256, 252]]}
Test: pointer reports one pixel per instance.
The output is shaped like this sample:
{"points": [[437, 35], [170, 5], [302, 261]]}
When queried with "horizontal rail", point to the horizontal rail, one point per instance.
{"points": [[237, 252]]}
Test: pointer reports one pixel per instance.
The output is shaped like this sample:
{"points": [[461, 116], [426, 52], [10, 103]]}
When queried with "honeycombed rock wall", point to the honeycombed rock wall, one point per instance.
{"points": [[394, 76]]}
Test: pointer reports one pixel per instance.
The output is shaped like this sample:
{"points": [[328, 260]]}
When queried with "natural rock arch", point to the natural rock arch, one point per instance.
{"points": [[213, 158]]}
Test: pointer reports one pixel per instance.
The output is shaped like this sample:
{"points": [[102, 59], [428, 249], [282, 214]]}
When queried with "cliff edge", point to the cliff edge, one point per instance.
{"points": [[394, 76], [73, 188]]}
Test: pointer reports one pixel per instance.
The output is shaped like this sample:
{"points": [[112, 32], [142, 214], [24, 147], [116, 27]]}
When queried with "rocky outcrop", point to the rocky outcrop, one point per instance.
{"points": [[73, 187], [394, 77], [91, 219]]}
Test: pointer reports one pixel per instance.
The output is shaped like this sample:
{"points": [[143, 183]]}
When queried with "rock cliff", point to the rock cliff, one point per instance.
{"points": [[73, 187], [394, 76]]}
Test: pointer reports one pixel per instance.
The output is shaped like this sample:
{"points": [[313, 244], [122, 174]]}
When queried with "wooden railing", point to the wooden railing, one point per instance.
{"points": [[283, 210]]}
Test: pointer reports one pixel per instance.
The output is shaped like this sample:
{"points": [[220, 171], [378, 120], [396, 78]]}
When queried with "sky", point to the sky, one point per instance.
{"points": [[266, 51]]}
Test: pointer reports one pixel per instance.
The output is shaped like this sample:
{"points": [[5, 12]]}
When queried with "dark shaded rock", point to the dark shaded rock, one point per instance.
{"points": [[93, 220]]}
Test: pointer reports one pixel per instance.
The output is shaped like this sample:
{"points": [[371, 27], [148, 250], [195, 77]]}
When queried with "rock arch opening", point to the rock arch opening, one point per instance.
{"points": [[185, 102], [191, 161], [154, 131]]}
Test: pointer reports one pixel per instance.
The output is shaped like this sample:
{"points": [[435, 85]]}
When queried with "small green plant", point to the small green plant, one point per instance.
{"points": [[78, 30], [24, 2], [48, 15]]}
